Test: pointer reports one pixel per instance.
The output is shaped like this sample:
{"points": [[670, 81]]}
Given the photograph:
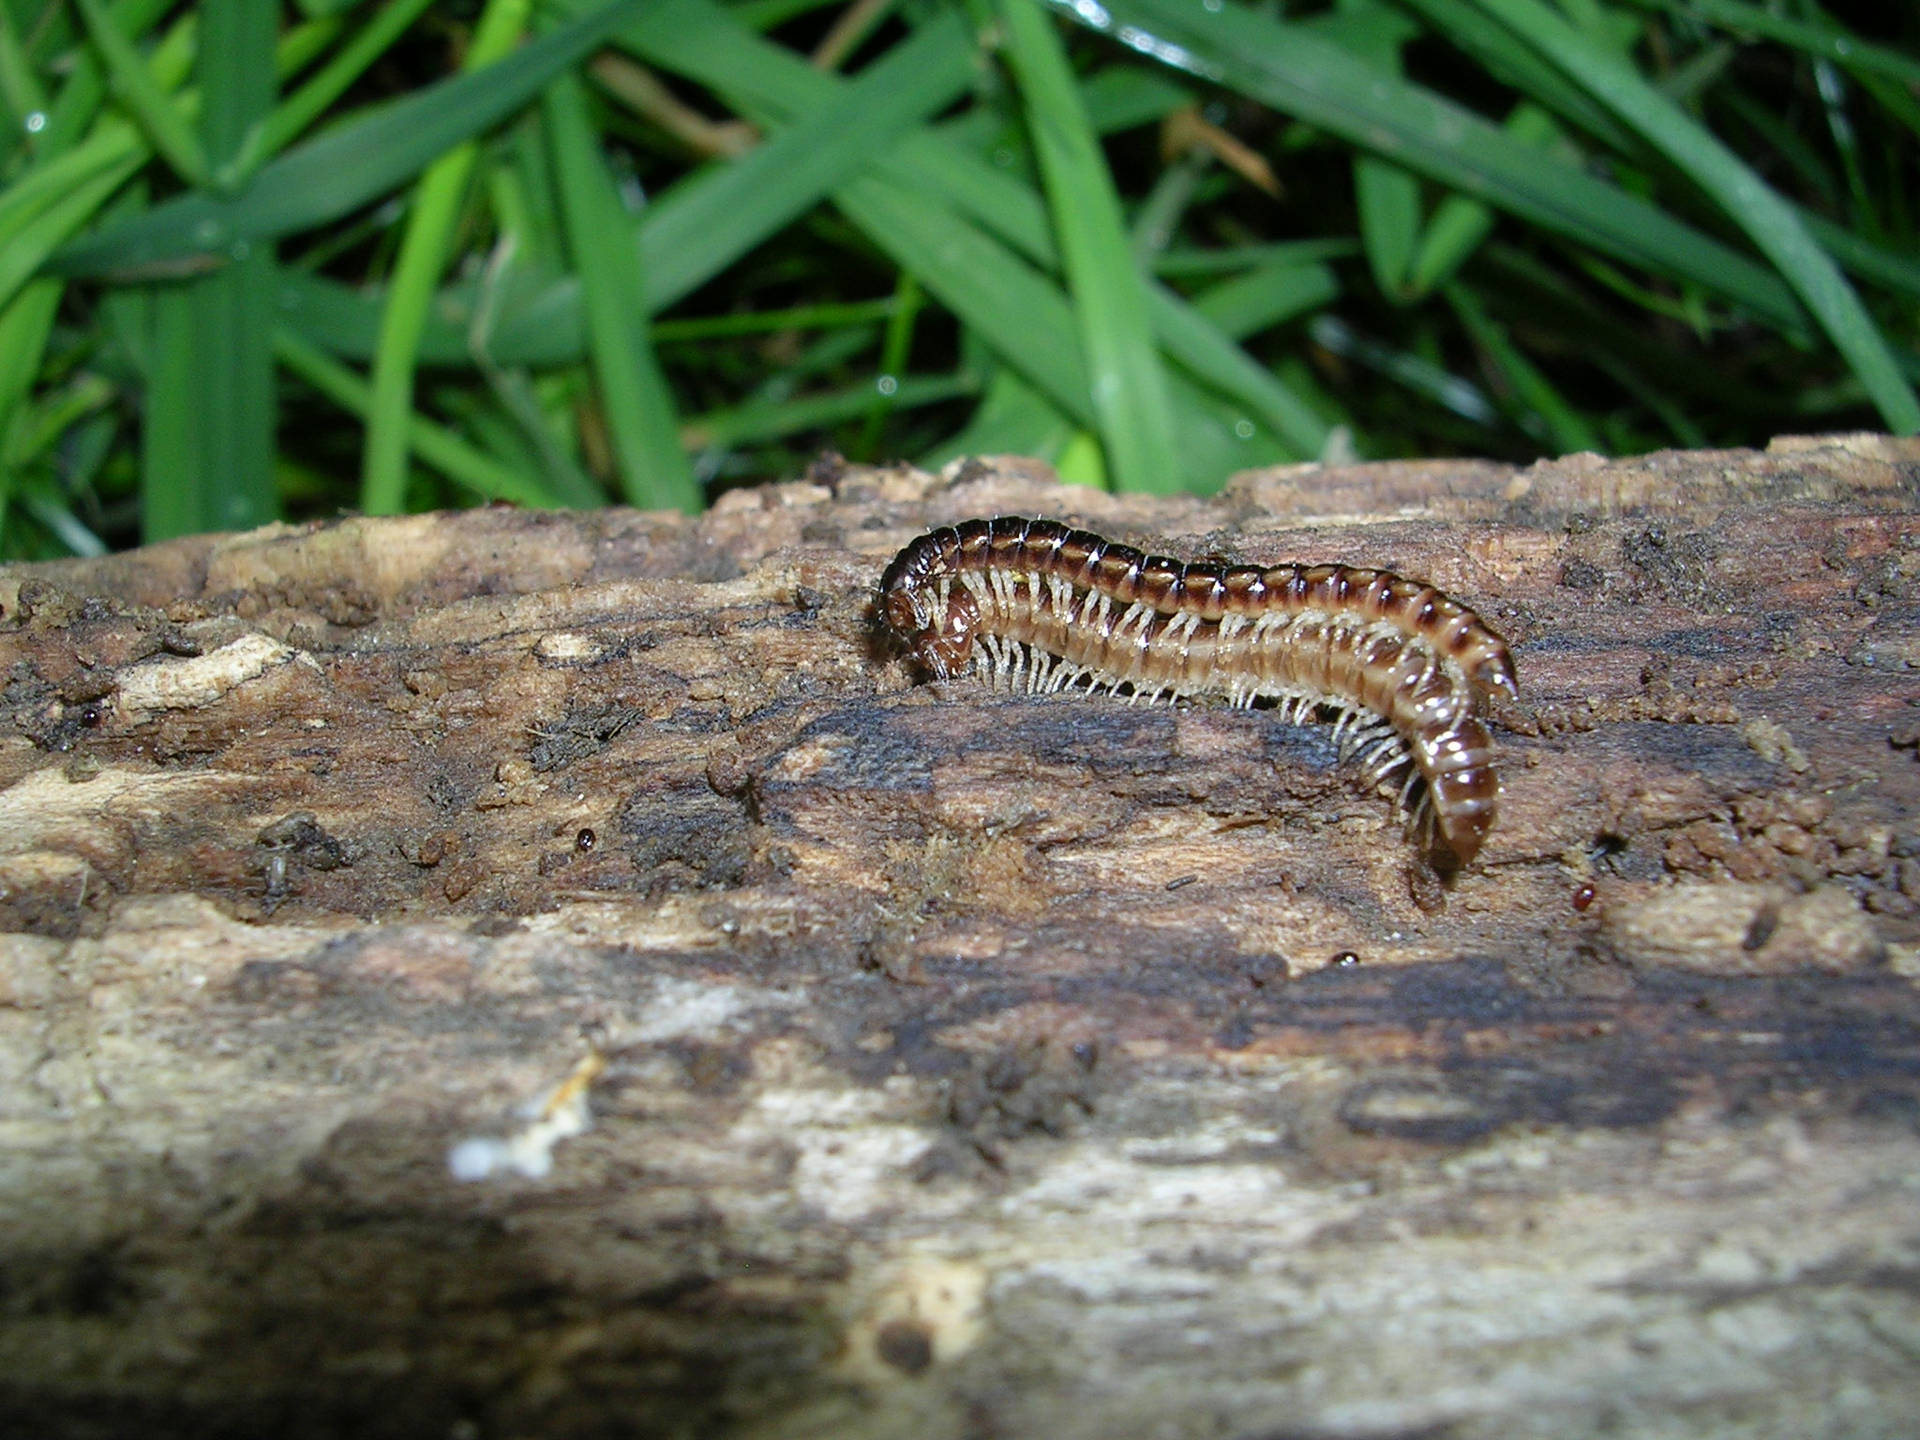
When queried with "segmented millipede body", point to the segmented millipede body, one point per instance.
{"points": [[1405, 670]]}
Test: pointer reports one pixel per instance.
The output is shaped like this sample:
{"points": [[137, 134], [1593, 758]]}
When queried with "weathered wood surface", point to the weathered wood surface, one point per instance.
{"points": [[972, 1065]]}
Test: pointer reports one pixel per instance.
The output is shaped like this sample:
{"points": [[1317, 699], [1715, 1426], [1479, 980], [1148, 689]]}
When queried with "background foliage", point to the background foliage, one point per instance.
{"points": [[262, 260]]}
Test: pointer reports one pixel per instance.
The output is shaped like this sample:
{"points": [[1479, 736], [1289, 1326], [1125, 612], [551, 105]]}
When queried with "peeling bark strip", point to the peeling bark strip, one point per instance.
{"points": [[1405, 669]]}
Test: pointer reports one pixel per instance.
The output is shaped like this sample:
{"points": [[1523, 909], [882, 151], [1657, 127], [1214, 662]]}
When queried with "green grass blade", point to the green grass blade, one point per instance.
{"points": [[1109, 296], [1017, 311], [697, 40], [741, 424], [1896, 272], [166, 126], [46, 505], [1824, 40], [25, 322], [27, 247], [169, 439], [1012, 418], [696, 229], [1387, 196], [1536, 403], [638, 407], [367, 44], [423, 254], [1460, 224], [1300, 74], [434, 444], [1768, 220], [1389, 204], [349, 165], [227, 392], [539, 324], [20, 92], [1269, 295], [1286, 253], [540, 437], [896, 348], [1029, 325], [49, 181], [1513, 63], [85, 88], [1123, 96], [1204, 347], [1416, 372]]}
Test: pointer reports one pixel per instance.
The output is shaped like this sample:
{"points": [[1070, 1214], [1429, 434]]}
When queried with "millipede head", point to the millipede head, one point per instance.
{"points": [[923, 611]]}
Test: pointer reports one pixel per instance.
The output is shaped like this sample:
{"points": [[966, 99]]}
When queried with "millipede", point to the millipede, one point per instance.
{"points": [[1405, 672]]}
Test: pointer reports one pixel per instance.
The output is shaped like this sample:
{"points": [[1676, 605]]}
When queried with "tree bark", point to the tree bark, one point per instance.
{"points": [[512, 974]]}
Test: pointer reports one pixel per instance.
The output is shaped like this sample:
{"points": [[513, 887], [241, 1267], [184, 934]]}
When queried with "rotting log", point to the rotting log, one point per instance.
{"points": [[962, 1064]]}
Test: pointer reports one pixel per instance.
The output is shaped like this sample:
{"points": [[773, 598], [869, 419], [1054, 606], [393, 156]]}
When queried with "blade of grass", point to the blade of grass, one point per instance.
{"points": [[1248, 257], [24, 325], [1302, 75], [1008, 207], [896, 346], [1026, 320], [1267, 296], [225, 398], [169, 438], [166, 127], [1899, 273], [79, 100], [1028, 323], [741, 424], [698, 40], [345, 323], [1826, 40], [423, 254], [25, 250], [635, 401], [1768, 220], [1387, 196], [1205, 351], [434, 444], [540, 435], [49, 422], [1537, 405], [20, 92], [1109, 298], [1461, 224], [347, 166], [1507, 60], [303, 42], [48, 506], [49, 180], [367, 44], [1521, 287], [1389, 205], [696, 229], [1416, 372], [1012, 418], [1123, 96]]}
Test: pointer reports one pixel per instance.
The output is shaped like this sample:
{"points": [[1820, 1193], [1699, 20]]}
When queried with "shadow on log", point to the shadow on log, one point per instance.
{"points": [[946, 1063]]}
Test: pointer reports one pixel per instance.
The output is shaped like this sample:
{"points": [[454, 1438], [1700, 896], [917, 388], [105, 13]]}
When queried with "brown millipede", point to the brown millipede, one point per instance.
{"points": [[1405, 670]]}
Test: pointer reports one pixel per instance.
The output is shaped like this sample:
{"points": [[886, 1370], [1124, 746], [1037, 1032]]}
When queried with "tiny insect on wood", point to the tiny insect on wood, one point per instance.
{"points": [[1405, 672]]}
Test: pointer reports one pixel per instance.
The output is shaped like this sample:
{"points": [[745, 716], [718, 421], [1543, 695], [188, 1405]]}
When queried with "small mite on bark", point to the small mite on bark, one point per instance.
{"points": [[1405, 672]]}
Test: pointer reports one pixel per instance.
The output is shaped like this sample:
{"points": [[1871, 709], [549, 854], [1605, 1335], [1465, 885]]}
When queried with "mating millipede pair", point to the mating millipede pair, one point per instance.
{"points": [[1406, 669]]}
